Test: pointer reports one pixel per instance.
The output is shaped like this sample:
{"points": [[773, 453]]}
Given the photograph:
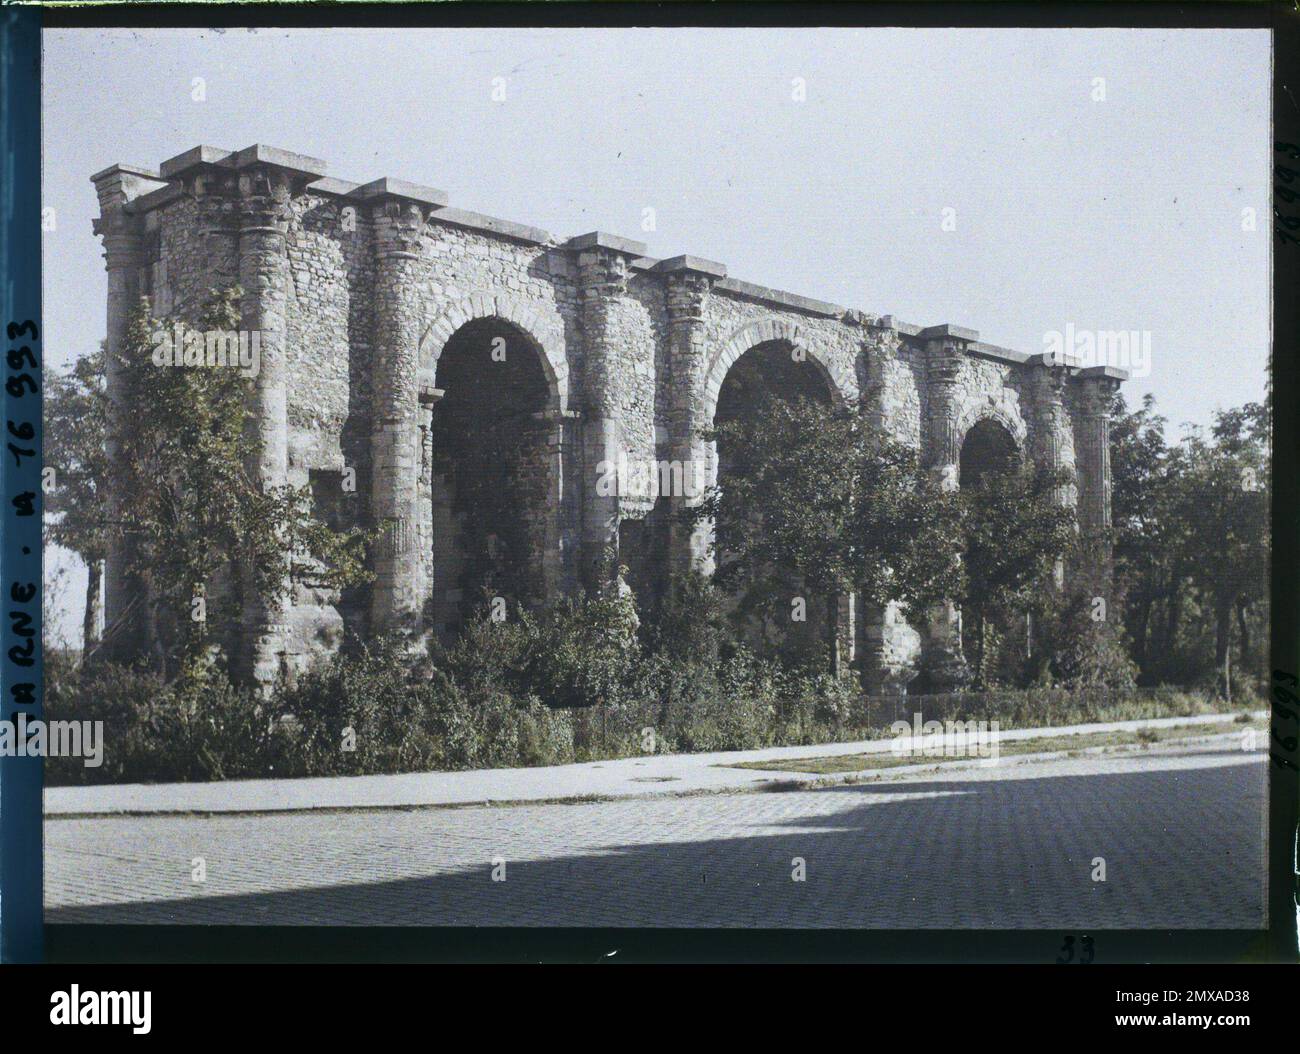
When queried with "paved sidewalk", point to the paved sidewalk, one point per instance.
{"points": [[670, 774]]}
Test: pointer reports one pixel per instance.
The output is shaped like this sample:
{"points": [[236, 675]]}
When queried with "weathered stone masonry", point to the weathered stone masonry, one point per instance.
{"points": [[358, 289]]}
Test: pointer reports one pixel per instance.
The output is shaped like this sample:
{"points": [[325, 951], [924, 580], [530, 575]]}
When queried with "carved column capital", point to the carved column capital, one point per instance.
{"points": [[122, 249], [689, 282], [1051, 435], [1096, 394], [399, 228], [262, 202], [221, 211], [687, 295], [943, 358], [1048, 379], [603, 275]]}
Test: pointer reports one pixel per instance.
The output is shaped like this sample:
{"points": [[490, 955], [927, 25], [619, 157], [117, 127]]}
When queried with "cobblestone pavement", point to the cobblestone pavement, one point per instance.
{"points": [[1181, 833]]}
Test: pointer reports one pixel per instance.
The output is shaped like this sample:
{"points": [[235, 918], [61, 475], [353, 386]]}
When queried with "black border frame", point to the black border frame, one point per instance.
{"points": [[20, 939]]}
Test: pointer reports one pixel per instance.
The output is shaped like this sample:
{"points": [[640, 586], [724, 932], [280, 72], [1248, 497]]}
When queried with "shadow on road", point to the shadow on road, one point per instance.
{"points": [[1182, 848]]}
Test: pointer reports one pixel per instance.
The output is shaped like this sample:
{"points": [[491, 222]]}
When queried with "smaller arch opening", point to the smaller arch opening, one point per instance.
{"points": [[988, 449]]}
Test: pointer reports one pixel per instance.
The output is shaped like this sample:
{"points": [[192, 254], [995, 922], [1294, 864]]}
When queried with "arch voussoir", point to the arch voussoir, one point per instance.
{"points": [[544, 328], [1000, 410], [843, 385]]}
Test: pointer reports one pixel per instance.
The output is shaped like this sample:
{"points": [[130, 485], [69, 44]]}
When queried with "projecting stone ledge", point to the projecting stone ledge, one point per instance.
{"points": [[947, 329], [969, 339], [692, 263], [1114, 373], [155, 199], [400, 188], [339, 188], [998, 354], [139, 171], [1076, 367], [476, 221], [124, 186], [257, 154], [176, 167], [602, 240]]}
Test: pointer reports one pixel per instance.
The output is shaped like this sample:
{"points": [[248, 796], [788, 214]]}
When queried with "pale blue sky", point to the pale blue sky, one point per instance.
{"points": [[1123, 214]]}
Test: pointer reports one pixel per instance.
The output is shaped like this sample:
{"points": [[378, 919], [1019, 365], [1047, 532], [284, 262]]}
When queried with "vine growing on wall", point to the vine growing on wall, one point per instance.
{"points": [[200, 534]]}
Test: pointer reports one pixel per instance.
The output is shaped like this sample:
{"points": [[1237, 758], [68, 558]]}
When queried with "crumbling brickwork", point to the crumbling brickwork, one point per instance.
{"points": [[358, 289]]}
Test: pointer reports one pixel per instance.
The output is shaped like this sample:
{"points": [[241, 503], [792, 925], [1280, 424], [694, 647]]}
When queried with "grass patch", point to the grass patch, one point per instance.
{"points": [[1042, 745]]}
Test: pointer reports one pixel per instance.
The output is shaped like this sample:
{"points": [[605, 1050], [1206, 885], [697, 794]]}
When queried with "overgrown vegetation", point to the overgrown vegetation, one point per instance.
{"points": [[813, 492], [75, 448], [194, 525], [484, 706], [1191, 530]]}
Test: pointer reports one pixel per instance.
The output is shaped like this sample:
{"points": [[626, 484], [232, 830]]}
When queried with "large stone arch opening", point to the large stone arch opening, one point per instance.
{"points": [[768, 372], [989, 452], [487, 471]]}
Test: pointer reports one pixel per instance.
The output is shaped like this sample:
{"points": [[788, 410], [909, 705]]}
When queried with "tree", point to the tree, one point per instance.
{"points": [[1079, 640], [1013, 533], [76, 423], [1191, 539], [195, 524], [1147, 550], [816, 493], [1221, 501]]}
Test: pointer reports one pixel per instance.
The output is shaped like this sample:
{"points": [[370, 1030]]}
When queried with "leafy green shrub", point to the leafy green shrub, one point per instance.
{"points": [[356, 714], [578, 653], [689, 626], [488, 702], [584, 651], [364, 713], [199, 727]]}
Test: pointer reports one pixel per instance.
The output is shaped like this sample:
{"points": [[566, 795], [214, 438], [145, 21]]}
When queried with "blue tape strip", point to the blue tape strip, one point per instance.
{"points": [[21, 928]]}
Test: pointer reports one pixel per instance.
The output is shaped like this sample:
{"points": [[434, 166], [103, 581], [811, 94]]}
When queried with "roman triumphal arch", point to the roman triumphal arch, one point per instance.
{"points": [[477, 377]]}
